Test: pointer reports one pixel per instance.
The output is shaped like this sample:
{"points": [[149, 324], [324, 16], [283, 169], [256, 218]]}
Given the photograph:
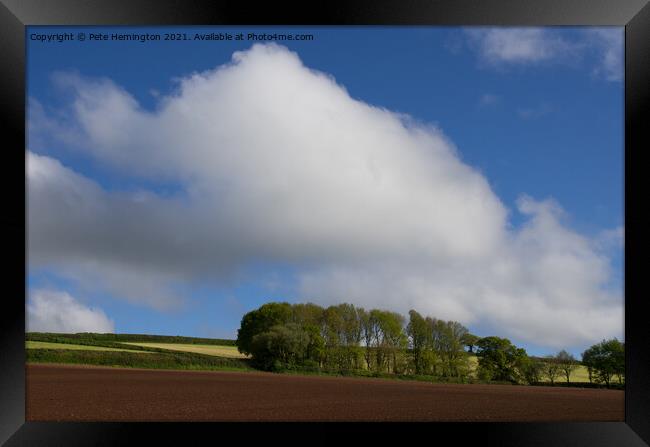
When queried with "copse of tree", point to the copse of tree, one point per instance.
{"points": [[604, 360], [345, 338]]}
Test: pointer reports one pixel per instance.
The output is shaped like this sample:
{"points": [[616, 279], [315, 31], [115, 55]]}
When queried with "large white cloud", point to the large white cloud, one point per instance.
{"points": [[56, 311], [278, 165]]}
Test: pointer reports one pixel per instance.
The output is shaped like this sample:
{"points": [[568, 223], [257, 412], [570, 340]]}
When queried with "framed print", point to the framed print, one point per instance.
{"points": [[353, 219]]}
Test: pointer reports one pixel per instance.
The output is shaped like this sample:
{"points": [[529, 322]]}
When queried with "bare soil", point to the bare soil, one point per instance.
{"points": [[84, 393]]}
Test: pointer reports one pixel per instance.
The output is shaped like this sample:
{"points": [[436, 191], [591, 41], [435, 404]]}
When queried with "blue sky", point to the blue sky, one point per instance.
{"points": [[536, 112]]}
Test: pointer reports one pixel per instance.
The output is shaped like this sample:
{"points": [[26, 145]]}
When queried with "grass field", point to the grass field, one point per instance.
{"points": [[218, 351], [135, 351], [135, 359], [47, 345], [579, 375]]}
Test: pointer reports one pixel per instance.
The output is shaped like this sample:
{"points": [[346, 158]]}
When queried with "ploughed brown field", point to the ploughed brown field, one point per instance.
{"points": [[83, 393]]}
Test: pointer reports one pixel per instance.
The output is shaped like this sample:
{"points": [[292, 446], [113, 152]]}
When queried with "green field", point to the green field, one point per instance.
{"points": [[47, 345], [147, 351], [579, 375], [214, 350], [135, 359]]}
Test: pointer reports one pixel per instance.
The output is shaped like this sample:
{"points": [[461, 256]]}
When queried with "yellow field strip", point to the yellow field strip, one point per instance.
{"points": [[217, 351], [48, 345]]}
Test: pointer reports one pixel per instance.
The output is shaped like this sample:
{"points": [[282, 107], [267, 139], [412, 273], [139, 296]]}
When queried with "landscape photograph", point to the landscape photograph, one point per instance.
{"points": [[325, 224]]}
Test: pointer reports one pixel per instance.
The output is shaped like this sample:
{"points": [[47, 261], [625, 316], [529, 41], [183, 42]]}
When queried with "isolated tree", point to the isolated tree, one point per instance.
{"points": [[605, 360], [551, 368], [567, 363]]}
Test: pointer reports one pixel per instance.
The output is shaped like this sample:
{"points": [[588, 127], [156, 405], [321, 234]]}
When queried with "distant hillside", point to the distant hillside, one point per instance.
{"points": [[92, 338]]}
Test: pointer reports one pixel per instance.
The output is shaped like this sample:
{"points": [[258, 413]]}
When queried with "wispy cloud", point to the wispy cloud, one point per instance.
{"points": [[538, 111], [498, 46], [608, 43], [488, 99], [610, 239], [502, 47]]}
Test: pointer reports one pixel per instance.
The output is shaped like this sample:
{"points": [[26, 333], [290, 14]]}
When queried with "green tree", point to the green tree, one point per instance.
{"points": [[261, 320], [470, 341], [394, 340], [367, 326], [332, 331], [378, 341], [551, 368], [315, 349], [605, 360], [307, 314], [282, 346], [450, 348], [418, 334], [567, 363], [618, 353], [350, 334], [500, 360], [533, 370], [436, 345], [385, 330]]}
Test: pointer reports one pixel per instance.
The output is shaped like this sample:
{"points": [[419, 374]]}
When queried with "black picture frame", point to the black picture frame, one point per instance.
{"points": [[16, 14]]}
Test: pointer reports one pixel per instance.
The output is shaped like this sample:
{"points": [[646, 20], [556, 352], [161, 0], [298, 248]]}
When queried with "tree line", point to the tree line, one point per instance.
{"points": [[97, 339], [347, 339]]}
